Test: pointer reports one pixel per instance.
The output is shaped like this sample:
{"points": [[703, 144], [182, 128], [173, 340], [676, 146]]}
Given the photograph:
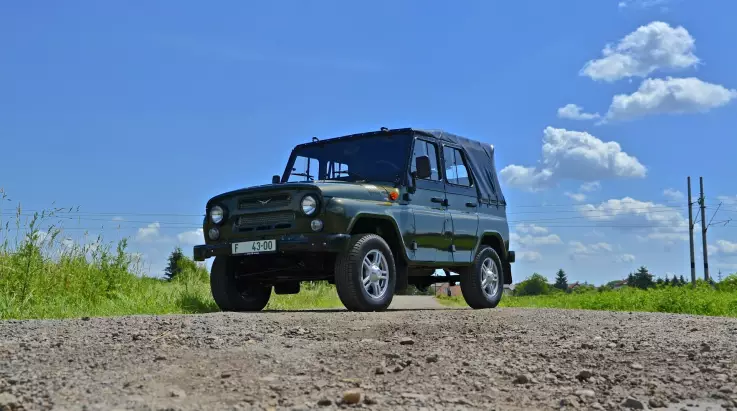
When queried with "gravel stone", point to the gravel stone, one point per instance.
{"points": [[352, 396], [537, 363], [633, 403]]}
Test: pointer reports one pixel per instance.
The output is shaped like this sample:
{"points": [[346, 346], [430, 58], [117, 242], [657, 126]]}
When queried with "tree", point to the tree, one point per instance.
{"points": [[642, 278], [683, 280], [667, 281], [174, 267], [534, 285], [561, 281], [631, 280], [660, 281]]}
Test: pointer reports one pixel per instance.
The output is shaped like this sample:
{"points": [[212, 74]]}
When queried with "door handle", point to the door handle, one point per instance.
{"points": [[472, 205], [443, 201]]}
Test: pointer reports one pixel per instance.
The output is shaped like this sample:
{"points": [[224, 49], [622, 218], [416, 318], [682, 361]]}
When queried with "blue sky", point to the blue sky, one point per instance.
{"points": [[599, 110]]}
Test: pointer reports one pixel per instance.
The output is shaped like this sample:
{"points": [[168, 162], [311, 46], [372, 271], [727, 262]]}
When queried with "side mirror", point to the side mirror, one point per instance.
{"points": [[422, 164], [275, 179]]}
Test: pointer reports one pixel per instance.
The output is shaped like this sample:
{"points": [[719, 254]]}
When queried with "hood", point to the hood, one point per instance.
{"points": [[359, 191]]}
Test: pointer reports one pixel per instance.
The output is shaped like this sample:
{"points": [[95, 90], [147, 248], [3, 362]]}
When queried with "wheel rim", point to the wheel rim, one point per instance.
{"points": [[489, 277], [375, 274]]}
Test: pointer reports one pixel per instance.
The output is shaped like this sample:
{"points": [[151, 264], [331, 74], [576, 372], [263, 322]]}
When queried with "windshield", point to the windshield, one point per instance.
{"points": [[367, 159]]}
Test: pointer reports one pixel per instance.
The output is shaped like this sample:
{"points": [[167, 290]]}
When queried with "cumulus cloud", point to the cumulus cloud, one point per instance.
{"points": [[669, 96], [661, 222], [575, 112], [673, 194], [530, 229], [728, 200], [529, 256], [656, 46], [625, 258], [573, 155], [726, 247], [148, 233], [590, 186], [579, 250], [588, 249], [533, 241], [575, 196], [192, 237]]}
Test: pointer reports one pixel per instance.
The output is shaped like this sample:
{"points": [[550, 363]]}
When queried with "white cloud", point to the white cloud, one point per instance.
{"points": [[656, 46], [625, 258], [669, 96], [661, 222], [581, 248], [641, 3], [728, 200], [573, 155], [118, 218], [532, 241], [673, 194], [727, 247], [576, 196], [530, 229], [575, 112], [192, 237], [149, 232], [590, 186], [529, 256]]}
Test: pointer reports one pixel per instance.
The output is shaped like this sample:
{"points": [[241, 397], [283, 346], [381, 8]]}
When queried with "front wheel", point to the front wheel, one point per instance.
{"points": [[365, 275], [231, 294], [482, 284]]}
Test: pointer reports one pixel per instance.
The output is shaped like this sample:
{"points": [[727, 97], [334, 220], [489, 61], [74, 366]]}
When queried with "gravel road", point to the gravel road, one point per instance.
{"points": [[402, 359]]}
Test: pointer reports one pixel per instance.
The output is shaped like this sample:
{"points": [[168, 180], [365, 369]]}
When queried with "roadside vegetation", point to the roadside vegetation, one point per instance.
{"points": [[45, 274], [640, 292]]}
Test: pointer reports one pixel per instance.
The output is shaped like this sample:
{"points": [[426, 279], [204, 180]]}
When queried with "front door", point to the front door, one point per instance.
{"points": [[462, 203], [433, 229]]}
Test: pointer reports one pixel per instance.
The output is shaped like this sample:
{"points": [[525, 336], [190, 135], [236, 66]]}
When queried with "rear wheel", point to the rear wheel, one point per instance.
{"points": [[365, 275], [231, 294], [482, 283]]}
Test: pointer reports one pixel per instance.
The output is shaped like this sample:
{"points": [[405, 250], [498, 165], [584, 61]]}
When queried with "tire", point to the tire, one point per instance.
{"points": [[232, 295], [349, 274], [472, 287]]}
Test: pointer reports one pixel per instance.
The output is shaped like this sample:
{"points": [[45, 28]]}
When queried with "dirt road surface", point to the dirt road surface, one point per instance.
{"points": [[402, 359]]}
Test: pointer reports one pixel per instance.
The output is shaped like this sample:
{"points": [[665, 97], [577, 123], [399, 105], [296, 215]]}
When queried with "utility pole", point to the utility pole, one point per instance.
{"points": [[690, 233], [702, 201]]}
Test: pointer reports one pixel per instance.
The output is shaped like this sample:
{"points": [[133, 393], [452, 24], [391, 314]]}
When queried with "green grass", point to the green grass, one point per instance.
{"points": [[44, 275], [702, 300]]}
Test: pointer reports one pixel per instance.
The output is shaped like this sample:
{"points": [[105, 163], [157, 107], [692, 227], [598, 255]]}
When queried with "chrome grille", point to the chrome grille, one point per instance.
{"points": [[265, 200], [261, 222]]}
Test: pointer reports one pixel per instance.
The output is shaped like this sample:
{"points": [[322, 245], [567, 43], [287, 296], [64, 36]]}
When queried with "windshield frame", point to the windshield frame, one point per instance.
{"points": [[402, 137]]}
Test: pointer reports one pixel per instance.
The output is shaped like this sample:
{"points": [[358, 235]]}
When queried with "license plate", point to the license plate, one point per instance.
{"points": [[254, 247]]}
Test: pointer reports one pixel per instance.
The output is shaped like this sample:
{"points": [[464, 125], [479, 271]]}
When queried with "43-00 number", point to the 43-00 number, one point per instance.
{"points": [[254, 247]]}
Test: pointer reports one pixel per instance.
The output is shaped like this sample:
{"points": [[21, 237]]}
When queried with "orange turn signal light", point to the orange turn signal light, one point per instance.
{"points": [[393, 195]]}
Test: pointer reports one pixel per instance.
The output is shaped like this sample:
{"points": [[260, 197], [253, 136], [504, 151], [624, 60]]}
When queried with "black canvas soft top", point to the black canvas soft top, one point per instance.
{"points": [[481, 158], [481, 162]]}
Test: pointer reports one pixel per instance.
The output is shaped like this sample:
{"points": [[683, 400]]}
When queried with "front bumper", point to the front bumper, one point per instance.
{"points": [[330, 243]]}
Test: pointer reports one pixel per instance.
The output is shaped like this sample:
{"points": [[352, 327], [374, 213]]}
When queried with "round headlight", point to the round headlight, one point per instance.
{"points": [[214, 233], [309, 205], [216, 214]]}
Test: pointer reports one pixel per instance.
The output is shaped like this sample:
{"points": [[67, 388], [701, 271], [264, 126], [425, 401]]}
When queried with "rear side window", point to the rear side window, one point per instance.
{"points": [[426, 148], [456, 171]]}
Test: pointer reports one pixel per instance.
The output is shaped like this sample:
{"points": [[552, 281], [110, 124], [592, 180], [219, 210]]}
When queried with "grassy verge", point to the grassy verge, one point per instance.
{"points": [[44, 275], [703, 300]]}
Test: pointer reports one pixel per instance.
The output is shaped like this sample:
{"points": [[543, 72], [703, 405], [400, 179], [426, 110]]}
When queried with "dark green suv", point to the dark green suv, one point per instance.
{"points": [[371, 213]]}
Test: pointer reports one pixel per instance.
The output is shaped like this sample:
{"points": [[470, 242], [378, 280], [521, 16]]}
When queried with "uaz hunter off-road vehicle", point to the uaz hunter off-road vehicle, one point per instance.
{"points": [[370, 213]]}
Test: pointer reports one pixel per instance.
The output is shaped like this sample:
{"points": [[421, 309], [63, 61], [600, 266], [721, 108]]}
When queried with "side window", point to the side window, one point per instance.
{"points": [[336, 170], [455, 167], [304, 169], [426, 148]]}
